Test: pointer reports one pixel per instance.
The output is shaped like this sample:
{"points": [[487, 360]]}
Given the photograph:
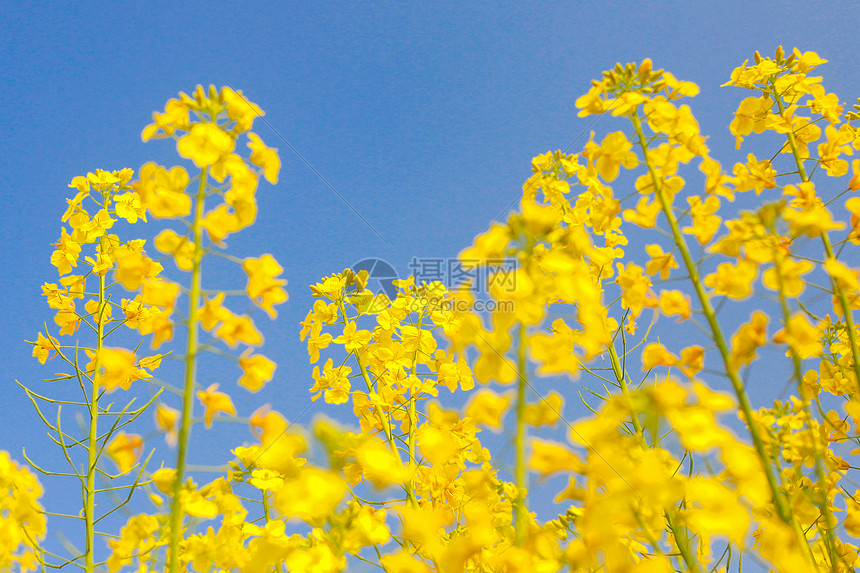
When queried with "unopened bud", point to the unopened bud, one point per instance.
{"points": [[644, 70]]}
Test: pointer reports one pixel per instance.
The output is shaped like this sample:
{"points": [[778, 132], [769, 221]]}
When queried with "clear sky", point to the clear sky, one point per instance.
{"points": [[423, 117]]}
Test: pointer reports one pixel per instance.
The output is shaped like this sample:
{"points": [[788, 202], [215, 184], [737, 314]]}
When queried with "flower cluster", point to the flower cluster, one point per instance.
{"points": [[657, 478]]}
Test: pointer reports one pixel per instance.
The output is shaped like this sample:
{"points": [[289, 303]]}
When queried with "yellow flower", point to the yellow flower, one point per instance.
{"points": [[133, 266], [43, 347], [97, 226], [750, 117], [235, 329], [102, 180], [787, 276], [205, 144], [22, 518], [705, 221], [169, 242], [333, 381], [162, 192], [645, 213], [256, 370], [692, 360], [634, 287], [655, 354], [215, 402], [550, 457], [660, 262], [66, 255], [265, 157], [674, 302], [754, 174], [734, 281], [266, 479], [130, 207], [240, 109], [748, 339], [846, 279], [311, 495], [838, 143], [813, 221], [487, 408], [263, 287], [317, 342], [613, 152], [175, 117], [353, 339], [166, 419], [381, 466], [100, 315], [546, 411], [124, 450], [801, 336], [714, 509], [68, 321], [118, 368]]}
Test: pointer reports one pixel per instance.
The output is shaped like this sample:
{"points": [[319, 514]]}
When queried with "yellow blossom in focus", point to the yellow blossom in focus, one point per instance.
{"points": [[353, 339], [613, 152], [43, 347]]}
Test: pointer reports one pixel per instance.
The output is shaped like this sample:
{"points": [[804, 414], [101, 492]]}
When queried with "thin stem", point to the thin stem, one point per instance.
{"points": [[267, 515], [828, 249], [822, 502], [782, 507], [92, 443], [520, 475], [177, 513]]}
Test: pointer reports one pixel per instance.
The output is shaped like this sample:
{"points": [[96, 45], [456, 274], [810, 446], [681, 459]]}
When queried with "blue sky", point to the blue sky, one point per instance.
{"points": [[424, 117]]}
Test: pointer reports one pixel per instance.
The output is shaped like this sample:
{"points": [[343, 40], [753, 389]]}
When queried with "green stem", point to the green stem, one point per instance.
{"points": [[267, 515], [92, 442], [828, 249], [413, 420], [821, 501], [520, 475], [782, 507], [177, 513], [384, 421], [849, 323], [625, 390], [682, 541]]}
